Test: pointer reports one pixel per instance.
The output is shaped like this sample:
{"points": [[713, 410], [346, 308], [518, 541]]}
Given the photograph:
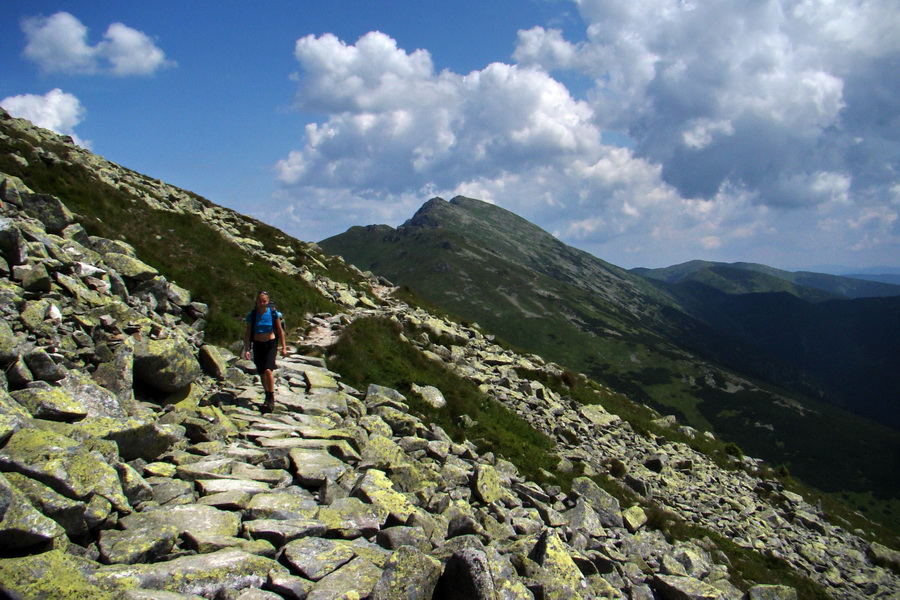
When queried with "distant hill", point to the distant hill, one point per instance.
{"points": [[891, 278], [686, 348], [746, 278]]}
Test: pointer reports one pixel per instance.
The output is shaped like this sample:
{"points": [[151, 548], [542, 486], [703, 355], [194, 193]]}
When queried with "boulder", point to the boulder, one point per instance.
{"points": [[213, 361], [68, 513], [96, 400], [53, 575], [551, 554], [146, 544], [52, 404], [129, 267], [167, 365], [116, 374], [64, 464], [487, 485], [409, 574], [191, 518], [21, 525], [672, 587], [359, 575], [10, 344], [771, 592], [49, 210], [314, 558], [207, 575], [431, 395], [375, 488], [634, 518], [467, 576], [601, 502], [350, 518], [884, 556], [282, 504]]}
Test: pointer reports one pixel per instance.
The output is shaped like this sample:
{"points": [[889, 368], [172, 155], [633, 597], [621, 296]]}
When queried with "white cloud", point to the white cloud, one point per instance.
{"points": [[753, 94], [750, 122], [59, 44], [130, 51], [396, 125], [56, 110]]}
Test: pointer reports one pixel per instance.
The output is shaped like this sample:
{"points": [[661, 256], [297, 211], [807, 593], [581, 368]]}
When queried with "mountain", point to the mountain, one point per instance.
{"points": [[747, 278], [890, 278], [687, 349], [408, 452], [838, 334]]}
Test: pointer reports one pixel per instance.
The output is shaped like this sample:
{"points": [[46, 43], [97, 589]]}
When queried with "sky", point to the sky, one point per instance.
{"points": [[646, 132]]}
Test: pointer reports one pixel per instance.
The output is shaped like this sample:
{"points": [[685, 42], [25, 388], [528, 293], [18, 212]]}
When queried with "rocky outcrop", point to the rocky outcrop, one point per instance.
{"points": [[135, 462]]}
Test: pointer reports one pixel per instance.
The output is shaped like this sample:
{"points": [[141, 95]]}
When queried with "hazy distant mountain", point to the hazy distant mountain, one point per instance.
{"points": [[745, 278], [891, 278], [689, 348]]}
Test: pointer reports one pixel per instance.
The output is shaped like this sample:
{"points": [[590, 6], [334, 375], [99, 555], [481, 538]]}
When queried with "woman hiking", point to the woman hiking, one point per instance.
{"points": [[265, 331]]}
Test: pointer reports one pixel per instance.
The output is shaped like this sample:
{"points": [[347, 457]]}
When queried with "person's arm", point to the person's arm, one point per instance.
{"points": [[281, 335]]}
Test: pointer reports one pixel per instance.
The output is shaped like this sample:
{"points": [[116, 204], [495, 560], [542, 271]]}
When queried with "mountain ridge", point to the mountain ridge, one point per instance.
{"points": [[566, 300], [835, 286], [184, 488]]}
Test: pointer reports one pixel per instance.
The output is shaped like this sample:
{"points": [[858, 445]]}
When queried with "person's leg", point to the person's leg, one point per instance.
{"points": [[268, 377], [268, 380], [264, 358]]}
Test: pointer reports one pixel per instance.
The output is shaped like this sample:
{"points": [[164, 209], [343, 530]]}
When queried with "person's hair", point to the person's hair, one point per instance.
{"points": [[258, 294]]}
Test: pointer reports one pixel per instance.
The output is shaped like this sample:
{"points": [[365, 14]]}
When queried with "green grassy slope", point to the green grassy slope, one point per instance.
{"points": [[183, 246], [524, 285]]}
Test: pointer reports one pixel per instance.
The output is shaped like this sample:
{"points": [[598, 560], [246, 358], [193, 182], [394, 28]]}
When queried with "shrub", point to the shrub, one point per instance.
{"points": [[732, 449]]}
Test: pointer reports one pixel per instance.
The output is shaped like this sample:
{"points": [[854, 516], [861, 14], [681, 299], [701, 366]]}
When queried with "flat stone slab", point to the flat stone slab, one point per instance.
{"points": [[339, 448], [315, 558], [350, 518], [315, 467], [322, 402], [207, 575], [358, 574], [206, 469], [218, 486], [281, 531], [188, 518], [282, 505]]}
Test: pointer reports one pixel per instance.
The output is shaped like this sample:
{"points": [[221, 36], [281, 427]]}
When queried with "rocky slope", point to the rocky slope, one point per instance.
{"points": [[761, 370], [135, 463]]}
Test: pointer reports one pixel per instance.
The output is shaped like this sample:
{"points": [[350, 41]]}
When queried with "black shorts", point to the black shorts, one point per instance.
{"points": [[264, 355]]}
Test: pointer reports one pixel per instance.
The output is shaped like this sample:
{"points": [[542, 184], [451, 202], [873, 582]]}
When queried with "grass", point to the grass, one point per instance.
{"points": [[191, 253], [746, 567], [840, 509], [634, 352], [371, 350], [182, 246]]}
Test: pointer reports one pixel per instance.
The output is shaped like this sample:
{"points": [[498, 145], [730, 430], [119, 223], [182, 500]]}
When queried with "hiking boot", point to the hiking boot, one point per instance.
{"points": [[269, 405]]}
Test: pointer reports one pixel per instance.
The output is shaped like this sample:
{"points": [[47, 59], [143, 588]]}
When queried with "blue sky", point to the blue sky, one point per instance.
{"points": [[647, 132]]}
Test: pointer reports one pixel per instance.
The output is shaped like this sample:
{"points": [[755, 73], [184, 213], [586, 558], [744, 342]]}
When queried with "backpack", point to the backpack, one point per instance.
{"points": [[274, 314]]}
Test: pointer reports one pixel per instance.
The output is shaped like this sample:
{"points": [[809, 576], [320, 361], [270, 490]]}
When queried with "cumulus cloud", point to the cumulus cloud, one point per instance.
{"points": [[59, 43], [747, 123], [762, 94], [396, 127], [56, 110]]}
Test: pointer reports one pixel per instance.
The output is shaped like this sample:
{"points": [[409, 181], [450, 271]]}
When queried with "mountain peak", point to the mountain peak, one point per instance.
{"points": [[427, 215]]}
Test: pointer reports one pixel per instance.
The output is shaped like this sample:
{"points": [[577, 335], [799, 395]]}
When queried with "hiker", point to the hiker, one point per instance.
{"points": [[265, 331]]}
